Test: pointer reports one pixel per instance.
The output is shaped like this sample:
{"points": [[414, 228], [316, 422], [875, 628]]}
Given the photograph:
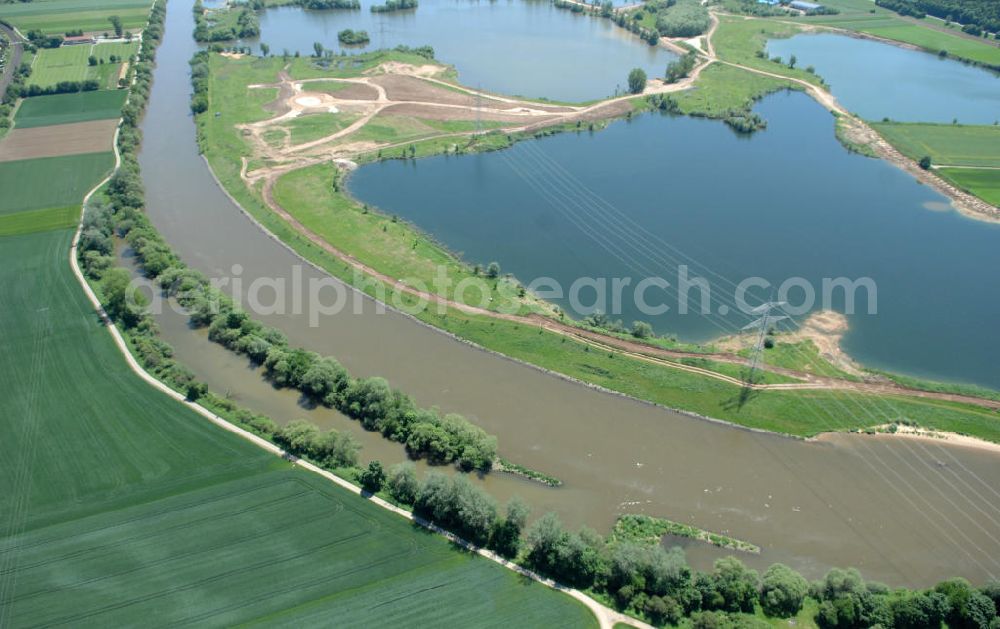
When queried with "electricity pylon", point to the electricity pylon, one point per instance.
{"points": [[764, 324]]}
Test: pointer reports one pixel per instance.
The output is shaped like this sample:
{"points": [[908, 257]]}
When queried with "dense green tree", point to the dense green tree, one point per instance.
{"points": [[403, 483], [736, 585], [123, 302], [373, 478], [116, 23], [782, 591], [636, 80], [506, 536]]}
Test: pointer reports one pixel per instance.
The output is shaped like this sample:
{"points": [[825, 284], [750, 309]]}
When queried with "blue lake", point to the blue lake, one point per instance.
{"points": [[516, 47], [877, 80], [787, 202]]}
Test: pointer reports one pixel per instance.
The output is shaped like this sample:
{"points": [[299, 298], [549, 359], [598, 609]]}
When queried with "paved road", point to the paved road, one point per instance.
{"points": [[14, 62]]}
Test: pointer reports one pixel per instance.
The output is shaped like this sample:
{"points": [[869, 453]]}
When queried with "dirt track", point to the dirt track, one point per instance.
{"points": [[399, 91]]}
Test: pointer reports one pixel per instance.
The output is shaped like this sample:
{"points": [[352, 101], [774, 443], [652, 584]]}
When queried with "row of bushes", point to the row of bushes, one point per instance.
{"points": [[124, 216], [320, 5], [643, 578], [982, 15], [394, 5]]}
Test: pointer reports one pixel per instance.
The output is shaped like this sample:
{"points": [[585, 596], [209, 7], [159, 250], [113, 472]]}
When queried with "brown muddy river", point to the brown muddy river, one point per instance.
{"points": [[906, 513]]}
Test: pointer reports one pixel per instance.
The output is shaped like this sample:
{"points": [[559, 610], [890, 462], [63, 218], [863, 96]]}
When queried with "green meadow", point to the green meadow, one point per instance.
{"points": [[50, 181]]}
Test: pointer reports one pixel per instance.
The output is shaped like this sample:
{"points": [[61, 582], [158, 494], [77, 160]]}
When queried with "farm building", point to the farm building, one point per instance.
{"points": [[768, 2], [76, 40], [801, 5]]}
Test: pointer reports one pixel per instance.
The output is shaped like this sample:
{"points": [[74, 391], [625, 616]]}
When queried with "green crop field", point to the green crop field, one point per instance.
{"points": [[42, 111], [45, 182], [954, 145], [31, 221], [982, 182], [122, 506], [59, 16]]}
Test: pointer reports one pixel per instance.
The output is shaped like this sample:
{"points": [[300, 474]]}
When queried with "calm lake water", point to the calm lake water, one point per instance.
{"points": [[788, 202], [885, 505], [877, 80], [524, 47]]}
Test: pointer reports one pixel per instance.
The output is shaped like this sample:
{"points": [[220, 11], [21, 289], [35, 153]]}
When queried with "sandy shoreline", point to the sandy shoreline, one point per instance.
{"points": [[914, 433]]}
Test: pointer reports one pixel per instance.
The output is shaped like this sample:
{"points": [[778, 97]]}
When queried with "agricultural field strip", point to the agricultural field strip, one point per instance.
{"points": [[946, 145], [43, 111], [50, 181], [59, 16], [94, 136], [45, 219]]}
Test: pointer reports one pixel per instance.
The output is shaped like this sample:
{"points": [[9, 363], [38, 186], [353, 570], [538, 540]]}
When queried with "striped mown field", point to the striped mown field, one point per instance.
{"points": [[59, 16]]}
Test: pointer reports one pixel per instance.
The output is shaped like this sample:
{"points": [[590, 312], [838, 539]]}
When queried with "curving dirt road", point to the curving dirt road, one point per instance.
{"points": [[288, 158]]}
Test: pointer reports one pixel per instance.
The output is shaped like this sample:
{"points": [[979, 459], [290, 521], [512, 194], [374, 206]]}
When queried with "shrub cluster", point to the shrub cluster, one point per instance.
{"points": [[394, 5], [981, 15], [679, 69], [246, 25], [320, 5], [38, 39], [427, 52], [454, 503], [684, 18], [199, 82], [350, 37], [62, 87]]}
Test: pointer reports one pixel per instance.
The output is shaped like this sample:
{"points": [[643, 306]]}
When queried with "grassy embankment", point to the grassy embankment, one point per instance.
{"points": [[798, 413], [136, 502], [974, 151], [59, 16]]}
